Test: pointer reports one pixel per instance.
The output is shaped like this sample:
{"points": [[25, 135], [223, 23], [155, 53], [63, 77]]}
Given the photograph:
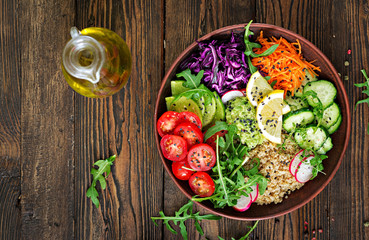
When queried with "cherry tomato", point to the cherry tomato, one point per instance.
{"points": [[211, 140], [167, 123], [180, 172], [190, 117], [201, 157], [190, 132], [173, 147], [202, 184]]}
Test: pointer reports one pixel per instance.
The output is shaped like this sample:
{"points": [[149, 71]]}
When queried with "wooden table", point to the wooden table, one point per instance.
{"points": [[50, 136]]}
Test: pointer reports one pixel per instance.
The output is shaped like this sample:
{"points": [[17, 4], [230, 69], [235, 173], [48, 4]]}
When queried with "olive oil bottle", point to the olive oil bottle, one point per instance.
{"points": [[96, 62]]}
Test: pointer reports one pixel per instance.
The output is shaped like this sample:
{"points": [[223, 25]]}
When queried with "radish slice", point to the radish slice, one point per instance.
{"points": [[231, 95], [304, 170], [255, 192], [243, 203], [295, 162], [243, 91]]}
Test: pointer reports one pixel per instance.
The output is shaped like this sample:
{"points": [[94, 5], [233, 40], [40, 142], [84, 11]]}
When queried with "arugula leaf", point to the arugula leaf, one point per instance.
{"points": [[219, 126], [192, 81], [365, 84], [98, 175], [196, 94], [250, 231], [316, 162], [250, 45], [182, 215]]}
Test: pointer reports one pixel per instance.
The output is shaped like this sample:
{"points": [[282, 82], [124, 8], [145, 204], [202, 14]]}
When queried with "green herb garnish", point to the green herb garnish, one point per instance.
{"points": [[316, 162], [98, 175], [229, 173], [250, 45], [183, 214], [366, 91], [247, 234], [192, 81]]}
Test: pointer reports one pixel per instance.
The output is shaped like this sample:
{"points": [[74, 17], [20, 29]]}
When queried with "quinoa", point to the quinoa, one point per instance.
{"points": [[274, 165]]}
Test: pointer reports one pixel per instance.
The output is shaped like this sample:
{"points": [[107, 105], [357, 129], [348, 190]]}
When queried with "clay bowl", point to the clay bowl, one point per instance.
{"points": [[340, 138]]}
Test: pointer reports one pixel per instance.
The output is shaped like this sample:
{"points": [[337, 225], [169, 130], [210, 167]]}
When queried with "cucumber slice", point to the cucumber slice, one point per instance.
{"points": [[311, 137], [209, 114], [335, 126], [331, 115], [295, 103], [308, 78], [327, 146], [168, 101], [177, 87], [185, 104], [325, 90], [297, 119]]}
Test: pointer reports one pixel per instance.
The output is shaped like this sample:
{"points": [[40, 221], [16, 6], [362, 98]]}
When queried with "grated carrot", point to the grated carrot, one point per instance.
{"points": [[285, 66]]}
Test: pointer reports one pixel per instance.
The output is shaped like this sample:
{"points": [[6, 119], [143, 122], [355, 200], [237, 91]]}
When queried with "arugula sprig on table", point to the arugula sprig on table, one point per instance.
{"points": [[183, 214], [229, 174], [250, 45], [366, 91], [98, 175]]}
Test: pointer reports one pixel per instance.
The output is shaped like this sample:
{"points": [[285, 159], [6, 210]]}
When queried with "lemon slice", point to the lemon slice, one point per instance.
{"points": [[257, 88], [269, 116]]}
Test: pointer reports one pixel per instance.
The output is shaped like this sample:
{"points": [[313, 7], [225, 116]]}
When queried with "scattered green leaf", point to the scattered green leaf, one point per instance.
{"points": [[192, 81], [98, 175], [181, 216]]}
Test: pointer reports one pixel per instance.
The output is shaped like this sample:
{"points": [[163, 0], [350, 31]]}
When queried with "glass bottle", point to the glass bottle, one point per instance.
{"points": [[96, 62]]}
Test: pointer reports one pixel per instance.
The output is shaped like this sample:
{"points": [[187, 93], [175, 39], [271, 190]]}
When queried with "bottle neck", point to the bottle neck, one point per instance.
{"points": [[83, 57]]}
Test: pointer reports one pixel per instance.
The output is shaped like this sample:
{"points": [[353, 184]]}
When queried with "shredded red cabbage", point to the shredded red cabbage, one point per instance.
{"points": [[223, 62]]}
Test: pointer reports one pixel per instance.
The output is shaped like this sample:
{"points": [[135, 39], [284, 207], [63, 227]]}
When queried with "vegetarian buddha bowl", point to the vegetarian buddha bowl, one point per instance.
{"points": [[247, 117]]}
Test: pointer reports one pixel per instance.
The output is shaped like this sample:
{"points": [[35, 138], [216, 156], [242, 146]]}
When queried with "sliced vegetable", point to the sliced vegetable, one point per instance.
{"points": [[243, 203], [304, 170], [181, 170], [331, 115], [190, 117], [185, 104], [335, 126], [231, 95], [173, 147], [177, 87], [202, 184], [201, 157], [295, 162], [295, 102], [297, 119], [255, 192], [325, 91], [311, 137], [167, 123], [327, 146], [190, 132]]}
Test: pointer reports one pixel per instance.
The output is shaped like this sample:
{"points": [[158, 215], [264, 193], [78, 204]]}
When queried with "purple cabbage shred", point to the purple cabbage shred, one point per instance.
{"points": [[223, 62]]}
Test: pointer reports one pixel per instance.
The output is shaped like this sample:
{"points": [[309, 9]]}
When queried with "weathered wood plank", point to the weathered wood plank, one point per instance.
{"points": [[186, 21], [122, 125], [349, 206], [47, 122], [10, 105]]}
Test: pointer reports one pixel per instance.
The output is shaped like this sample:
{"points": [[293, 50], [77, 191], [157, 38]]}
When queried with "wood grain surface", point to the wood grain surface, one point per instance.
{"points": [[50, 136]]}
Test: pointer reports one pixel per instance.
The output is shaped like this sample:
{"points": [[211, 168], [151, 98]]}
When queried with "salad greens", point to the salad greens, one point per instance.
{"points": [[366, 91], [183, 214], [316, 162], [247, 234], [98, 175], [229, 174]]}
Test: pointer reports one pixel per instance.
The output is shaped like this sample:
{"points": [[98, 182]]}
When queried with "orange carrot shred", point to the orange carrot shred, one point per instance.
{"points": [[285, 66]]}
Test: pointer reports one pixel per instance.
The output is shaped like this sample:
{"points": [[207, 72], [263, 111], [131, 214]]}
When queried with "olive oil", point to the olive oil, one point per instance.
{"points": [[96, 62]]}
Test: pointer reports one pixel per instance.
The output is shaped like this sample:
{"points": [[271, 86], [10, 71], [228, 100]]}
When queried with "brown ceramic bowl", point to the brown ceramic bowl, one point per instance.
{"points": [[340, 138]]}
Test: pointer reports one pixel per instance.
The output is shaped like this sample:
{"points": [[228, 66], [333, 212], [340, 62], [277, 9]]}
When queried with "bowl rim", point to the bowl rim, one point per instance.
{"points": [[282, 31]]}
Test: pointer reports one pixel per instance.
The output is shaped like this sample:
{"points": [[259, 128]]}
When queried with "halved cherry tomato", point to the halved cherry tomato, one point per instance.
{"points": [[202, 184], [201, 157], [190, 117], [173, 147], [211, 140], [190, 132], [180, 172], [167, 123]]}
